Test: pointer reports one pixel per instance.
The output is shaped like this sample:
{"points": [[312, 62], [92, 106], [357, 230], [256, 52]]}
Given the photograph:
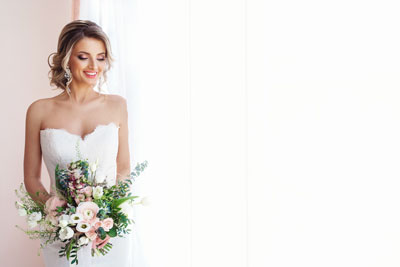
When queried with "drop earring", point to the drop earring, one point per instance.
{"points": [[68, 76]]}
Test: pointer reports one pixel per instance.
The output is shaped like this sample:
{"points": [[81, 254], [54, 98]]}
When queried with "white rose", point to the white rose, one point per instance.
{"points": [[35, 216], [97, 192], [100, 178], [63, 220], [22, 212], [63, 223], [76, 218], [83, 241], [83, 227], [32, 223], [66, 233]]}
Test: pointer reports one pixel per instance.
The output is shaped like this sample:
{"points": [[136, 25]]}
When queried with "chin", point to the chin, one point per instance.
{"points": [[91, 82]]}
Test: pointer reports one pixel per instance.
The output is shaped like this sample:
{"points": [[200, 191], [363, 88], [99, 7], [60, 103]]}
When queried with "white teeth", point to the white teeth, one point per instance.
{"points": [[91, 73]]}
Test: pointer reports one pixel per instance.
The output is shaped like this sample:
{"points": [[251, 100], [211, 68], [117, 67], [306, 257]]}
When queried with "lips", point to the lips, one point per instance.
{"points": [[90, 74]]}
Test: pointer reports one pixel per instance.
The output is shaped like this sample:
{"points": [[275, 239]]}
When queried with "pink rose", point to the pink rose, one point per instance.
{"points": [[52, 203], [88, 210], [107, 224], [88, 191], [97, 224], [91, 234]]}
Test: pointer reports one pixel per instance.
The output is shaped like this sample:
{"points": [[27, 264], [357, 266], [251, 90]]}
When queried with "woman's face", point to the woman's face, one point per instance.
{"points": [[87, 62]]}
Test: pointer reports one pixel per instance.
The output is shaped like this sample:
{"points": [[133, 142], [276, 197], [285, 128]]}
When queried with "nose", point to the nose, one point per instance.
{"points": [[92, 64]]}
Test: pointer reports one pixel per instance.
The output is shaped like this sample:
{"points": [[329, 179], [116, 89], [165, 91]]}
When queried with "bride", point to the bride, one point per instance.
{"points": [[79, 123]]}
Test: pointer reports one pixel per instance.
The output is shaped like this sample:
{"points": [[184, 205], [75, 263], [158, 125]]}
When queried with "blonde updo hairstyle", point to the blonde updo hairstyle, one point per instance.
{"points": [[69, 36]]}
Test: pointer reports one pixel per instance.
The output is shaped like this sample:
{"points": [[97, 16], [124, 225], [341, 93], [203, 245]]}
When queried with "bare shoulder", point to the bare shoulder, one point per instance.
{"points": [[119, 105], [37, 109], [117, 100]]}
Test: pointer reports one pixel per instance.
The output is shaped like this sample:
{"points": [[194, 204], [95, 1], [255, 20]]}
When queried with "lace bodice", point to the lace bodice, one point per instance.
{"points": [[62, 147]]}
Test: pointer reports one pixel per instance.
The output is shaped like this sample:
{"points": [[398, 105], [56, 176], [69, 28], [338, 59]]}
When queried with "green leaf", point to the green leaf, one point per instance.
{"points": [[70, 245], [119, 201], [102, 233], [60, 209], [112, 232]]}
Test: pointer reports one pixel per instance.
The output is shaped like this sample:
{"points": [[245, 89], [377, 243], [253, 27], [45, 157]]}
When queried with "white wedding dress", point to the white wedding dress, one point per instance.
{"points": [[62, 147]]}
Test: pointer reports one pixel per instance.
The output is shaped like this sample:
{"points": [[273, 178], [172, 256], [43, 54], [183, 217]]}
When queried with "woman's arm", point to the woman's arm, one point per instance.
{"points": [[123, 157], [33, 154]]}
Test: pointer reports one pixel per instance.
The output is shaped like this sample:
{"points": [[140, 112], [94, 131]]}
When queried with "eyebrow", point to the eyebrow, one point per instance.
{"points": [[89, 54]]}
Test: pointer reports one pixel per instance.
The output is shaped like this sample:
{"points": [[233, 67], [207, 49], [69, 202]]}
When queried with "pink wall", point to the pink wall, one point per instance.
{"points": [[29, 33]]}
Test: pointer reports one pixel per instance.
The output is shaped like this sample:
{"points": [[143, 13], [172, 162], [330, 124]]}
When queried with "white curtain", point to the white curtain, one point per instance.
{"points": [[271, 129]]}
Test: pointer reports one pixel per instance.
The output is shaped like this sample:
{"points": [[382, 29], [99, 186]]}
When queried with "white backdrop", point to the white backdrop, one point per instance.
{"points": [[270, 127]]}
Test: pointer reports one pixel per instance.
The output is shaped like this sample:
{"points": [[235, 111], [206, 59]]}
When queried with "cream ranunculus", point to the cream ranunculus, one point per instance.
{"points": [[88, 210], [83, 227], [98, 192], [75, 218], [66, 233]]}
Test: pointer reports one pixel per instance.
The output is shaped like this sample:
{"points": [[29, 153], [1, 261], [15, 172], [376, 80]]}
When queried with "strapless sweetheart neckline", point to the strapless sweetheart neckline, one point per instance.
{"points": [[77, 135]]}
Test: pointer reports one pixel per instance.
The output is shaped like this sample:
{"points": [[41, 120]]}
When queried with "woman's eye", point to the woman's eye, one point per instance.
{"points": [[84, 58]]}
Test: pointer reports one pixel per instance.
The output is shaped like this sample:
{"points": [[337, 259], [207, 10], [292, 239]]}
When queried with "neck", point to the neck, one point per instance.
{"points": [[81, 94]]}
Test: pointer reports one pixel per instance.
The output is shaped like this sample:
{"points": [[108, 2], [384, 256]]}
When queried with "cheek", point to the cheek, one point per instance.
{"points": [[77, 65], [102, 65]]}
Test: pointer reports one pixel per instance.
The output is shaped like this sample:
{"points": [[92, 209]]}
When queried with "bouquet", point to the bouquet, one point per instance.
{"points": [[84, 210]]}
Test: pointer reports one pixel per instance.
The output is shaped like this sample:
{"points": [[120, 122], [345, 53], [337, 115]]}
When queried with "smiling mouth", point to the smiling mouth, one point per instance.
{"points": [[90, 74]]}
